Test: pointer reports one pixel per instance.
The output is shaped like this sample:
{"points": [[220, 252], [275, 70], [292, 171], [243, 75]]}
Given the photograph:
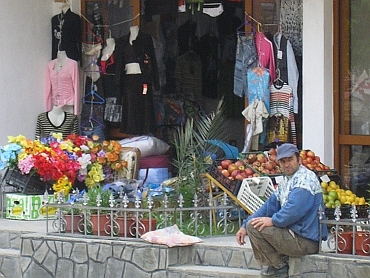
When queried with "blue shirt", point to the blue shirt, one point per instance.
{"points": [[295, 205]]}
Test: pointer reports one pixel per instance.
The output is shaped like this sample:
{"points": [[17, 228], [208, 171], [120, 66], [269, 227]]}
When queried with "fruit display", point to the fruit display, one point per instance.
{"points": [[312, 161], [263, 163], [235, 169], [335, 196]]}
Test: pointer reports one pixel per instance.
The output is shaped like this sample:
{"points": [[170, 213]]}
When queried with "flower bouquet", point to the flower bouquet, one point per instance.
{"points": [[63, 162]]}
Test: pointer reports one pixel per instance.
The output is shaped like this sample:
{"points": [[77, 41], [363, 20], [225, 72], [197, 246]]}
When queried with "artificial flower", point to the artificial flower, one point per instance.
{"points": [[61, 162]]}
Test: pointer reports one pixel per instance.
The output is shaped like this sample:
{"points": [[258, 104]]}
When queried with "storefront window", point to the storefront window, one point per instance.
{"points": [[353, 111]]}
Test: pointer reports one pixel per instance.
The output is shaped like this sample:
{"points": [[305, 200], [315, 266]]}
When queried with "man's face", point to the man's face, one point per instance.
{"points": [[289, 165]]}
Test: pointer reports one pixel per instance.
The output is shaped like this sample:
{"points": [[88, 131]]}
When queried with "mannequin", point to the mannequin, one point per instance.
{"points": [[61, 60], [56, 120], [108, 49], [134, 31], [133, 68], [65, 7], [68, 25], [56, 115]]}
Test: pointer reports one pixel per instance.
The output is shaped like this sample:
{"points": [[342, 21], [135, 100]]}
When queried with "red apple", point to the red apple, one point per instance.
{"points": [[234, 173], [248, 171], [311, 154], [261, 158], [251, 158], [232, 167], [225, 163], [225, 172], [239, 163]]}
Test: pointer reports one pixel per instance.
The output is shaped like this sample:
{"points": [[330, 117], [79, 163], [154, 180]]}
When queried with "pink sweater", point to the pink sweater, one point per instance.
{"points": [[62, 87], [265, 53]]}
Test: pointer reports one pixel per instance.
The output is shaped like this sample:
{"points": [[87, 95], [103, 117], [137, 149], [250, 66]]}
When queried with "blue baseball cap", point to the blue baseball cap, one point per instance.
{"points": [[286, 150]]}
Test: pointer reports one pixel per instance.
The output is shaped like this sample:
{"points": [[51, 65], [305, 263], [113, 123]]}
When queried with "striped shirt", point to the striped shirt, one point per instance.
{"points": [[45, 127]]}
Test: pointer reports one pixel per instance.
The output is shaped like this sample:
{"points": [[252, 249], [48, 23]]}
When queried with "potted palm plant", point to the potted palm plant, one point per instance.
{"points": [[192, 150]]}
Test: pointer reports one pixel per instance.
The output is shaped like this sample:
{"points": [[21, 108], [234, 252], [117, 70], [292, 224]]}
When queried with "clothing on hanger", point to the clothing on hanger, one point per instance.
{"points": [[286, 66]]}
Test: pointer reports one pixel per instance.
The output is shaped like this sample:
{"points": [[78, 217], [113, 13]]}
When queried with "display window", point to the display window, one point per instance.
{"points": [[352, 94]]}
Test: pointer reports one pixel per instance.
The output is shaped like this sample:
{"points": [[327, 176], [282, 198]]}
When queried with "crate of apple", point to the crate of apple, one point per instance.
{"points": [[263, 163], [230, 173], [235, 169], [312, 161]]}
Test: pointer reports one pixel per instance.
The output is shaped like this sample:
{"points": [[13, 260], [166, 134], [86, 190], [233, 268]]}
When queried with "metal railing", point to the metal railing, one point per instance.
{"points": [[130, 218], [348, 236]]}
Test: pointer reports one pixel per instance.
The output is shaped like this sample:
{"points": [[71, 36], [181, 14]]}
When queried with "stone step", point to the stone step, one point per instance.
{"points": [[191, 271], [225, 252], [10, 263]]}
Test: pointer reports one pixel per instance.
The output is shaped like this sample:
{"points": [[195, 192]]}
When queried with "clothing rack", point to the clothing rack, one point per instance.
{"points": [[259, 24]]}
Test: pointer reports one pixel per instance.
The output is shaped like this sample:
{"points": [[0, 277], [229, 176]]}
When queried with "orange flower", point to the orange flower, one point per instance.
{"points": [[101, 159], [111, 157]]}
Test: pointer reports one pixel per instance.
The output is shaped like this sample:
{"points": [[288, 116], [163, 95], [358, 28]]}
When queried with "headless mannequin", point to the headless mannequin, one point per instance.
{"points": [[65, 6], [60, 61], [56, 115], [108, 49], [133, 68], [59, 64]]}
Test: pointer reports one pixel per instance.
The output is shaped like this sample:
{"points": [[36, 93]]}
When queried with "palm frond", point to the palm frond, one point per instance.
{"points": [[192, 149]]}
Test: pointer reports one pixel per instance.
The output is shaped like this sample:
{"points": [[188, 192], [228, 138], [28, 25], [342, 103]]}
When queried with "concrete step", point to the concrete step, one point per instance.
{"points": [[10, 263], [192, 271], [225, 252]]}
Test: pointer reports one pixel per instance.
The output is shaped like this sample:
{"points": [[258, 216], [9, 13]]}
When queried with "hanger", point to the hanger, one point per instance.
{"points": [[241, 29], [278, 83], [92, 97], [91, 122], [92, 64]]}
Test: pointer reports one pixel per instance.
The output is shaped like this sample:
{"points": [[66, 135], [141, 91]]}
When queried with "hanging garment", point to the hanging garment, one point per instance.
{"points": [[91, 53], [210, 67], [246, 59], [286, 65], [265, 53], [258, 81], [188, 75], [62, 86], [142, 52], [278, 129], [281, 104], [255, 113], [66, 35], [138, 115], [291, 23], [44, 126]]}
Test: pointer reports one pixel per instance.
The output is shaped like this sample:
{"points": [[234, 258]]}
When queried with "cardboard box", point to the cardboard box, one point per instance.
{"points": [[28, 207]]}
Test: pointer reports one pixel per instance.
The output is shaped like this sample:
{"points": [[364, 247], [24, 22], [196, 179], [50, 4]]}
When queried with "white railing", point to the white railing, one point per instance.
{"points": [[130, 218]]}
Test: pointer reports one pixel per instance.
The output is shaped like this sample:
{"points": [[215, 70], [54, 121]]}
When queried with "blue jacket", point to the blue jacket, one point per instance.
{"points": [[300, 212]]}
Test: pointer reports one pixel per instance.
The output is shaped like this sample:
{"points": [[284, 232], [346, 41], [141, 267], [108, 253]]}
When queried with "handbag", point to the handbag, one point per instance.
{"points": [[94, 132]]}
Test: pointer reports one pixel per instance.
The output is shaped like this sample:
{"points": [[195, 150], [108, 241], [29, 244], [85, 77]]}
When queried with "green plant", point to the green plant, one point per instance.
{"points": [[96, 195], [192, 150]]}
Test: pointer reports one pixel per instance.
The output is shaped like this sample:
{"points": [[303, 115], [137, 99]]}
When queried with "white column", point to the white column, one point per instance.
{"points": [[318, 79]]}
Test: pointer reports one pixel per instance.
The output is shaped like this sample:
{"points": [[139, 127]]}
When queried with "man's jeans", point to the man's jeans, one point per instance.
{"points": [[273, 246], [246, 59]]}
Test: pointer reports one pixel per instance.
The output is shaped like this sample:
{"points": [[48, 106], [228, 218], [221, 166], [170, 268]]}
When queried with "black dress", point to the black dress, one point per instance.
{"points": [[138, 115]]}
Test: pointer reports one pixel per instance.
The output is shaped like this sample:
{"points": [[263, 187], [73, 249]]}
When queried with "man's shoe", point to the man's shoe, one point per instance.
{"points": [[270, 271]]}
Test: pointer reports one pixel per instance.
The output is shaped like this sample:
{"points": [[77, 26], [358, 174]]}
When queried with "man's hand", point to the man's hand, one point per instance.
{"points": [[240, 235], [261, 222]]}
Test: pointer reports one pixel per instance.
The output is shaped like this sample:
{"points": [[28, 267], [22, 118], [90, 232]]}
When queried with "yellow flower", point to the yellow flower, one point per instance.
{"points": [[57, 135]]}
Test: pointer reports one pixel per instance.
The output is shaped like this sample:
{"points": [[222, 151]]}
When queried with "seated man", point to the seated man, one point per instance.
{"points": [[287, 224]]}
